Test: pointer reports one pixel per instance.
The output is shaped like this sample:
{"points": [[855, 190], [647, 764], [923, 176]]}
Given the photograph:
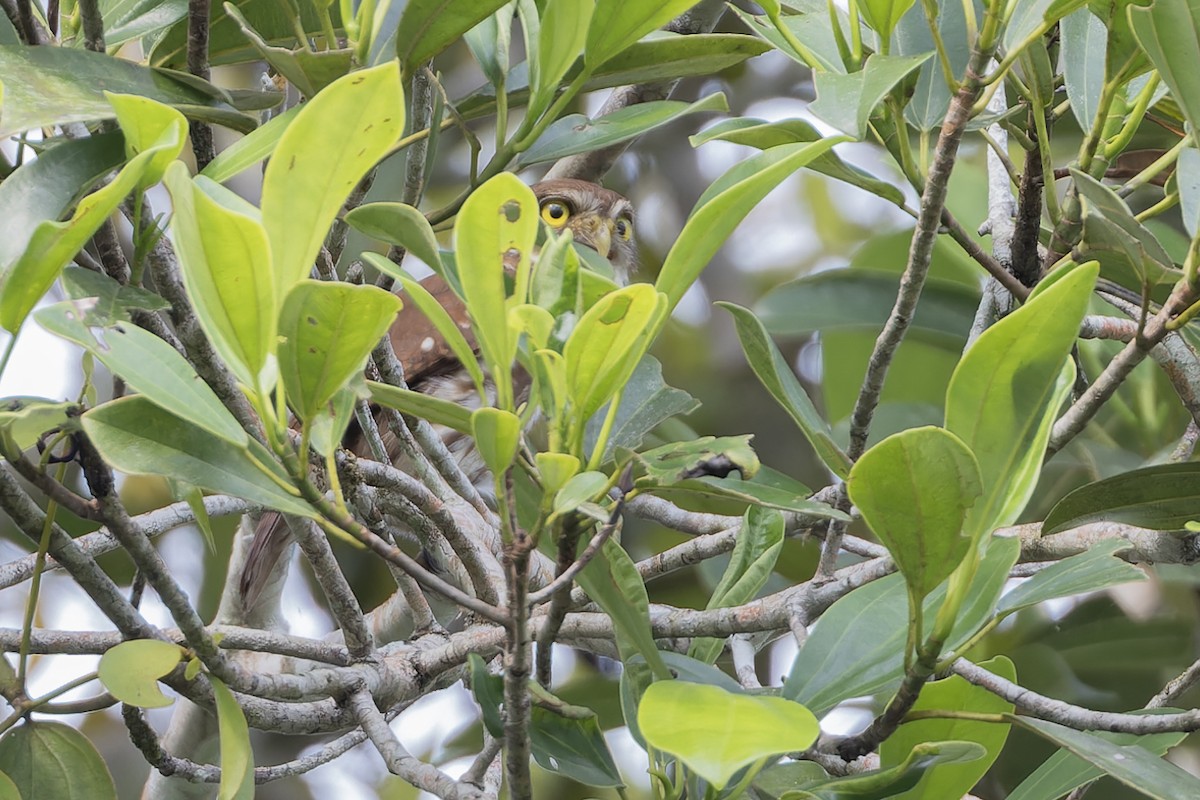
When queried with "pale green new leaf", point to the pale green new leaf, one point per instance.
{"points": [[562, 34], [497, 435], [716, 732], [315, 166], [237, 759], [328, 331], [1006, 391], [130, 671], [53, 243], [227, 270]]}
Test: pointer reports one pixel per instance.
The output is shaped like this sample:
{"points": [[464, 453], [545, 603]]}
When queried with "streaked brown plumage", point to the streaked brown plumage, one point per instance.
{"points": [[597, 217]]}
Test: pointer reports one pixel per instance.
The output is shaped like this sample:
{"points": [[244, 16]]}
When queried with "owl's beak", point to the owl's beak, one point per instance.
{"points": [[599, 232]]}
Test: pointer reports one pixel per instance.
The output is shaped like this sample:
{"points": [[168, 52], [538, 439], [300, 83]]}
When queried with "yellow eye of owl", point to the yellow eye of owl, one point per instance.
{"points": [[555, 213], [624, 229]]}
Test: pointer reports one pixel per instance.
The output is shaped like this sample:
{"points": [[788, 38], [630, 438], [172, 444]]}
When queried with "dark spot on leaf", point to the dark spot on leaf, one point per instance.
{"points": [[311, 320], [292, 163], [312, 350], [719, 466], [511, 210]]}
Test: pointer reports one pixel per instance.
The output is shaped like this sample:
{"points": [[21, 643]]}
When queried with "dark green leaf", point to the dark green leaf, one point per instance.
{"points": [[127, 20], [771, 368], [646, 402], [874, 784], [1162, 497], [931, 95], [792, 497], [571, 743], [575, 133], [812, 29], [42, 189], [612, 580], [847, 101], [33, 754], [1089, 571], [308, 70], [138, 437], [953, 694], [1084, 43], [114, 300], [763, 135], [1117, 240], [1063, 771], [427, 27], [49, 86], [1130, 764]]}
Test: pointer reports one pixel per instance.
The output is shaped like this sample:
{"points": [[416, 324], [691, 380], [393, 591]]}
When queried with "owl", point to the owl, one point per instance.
{"points": [[598, 218]]}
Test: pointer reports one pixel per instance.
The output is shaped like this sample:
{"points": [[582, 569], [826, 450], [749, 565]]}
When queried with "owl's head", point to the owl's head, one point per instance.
{"points": [[597, 217]]}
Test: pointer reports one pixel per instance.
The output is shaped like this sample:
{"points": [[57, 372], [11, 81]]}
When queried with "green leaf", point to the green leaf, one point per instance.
{"points": [[1006, 391], [953, 694], [792, 497], [237, 759], [914, 489], [575, 133], [114, 300], [771, 368], [127, 20], [499, 217], [309, 71], [931, 95], [42, 189], [612, 580], [329, 330], [275, 22], [138, 437], [582, 488], [419, 404], [1084, 44], [708, 455], [497, 435], [858, 648], [725, 204], [130, 671], [1162, 498], [489, 42], [567, 739], [49, 86], [813, 30], [1130, 764], [251, 148], [8, 789], [1128, 252], [1030, 15], [872, 785], [33, 754], [819, 303], [53, 244], [427, 27], [1187, 176], [24, 419], [226, 265], [847, 101], [313, 171], [561, 36], [750, 565], [667, 56], [398, 224], [148, 364], [646, 402], [1063, 771], [616, 24], [1089, 571], [607, 344], [716, 732], [1169, 32], [764, 135], [554, 470], [883, 15]]}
